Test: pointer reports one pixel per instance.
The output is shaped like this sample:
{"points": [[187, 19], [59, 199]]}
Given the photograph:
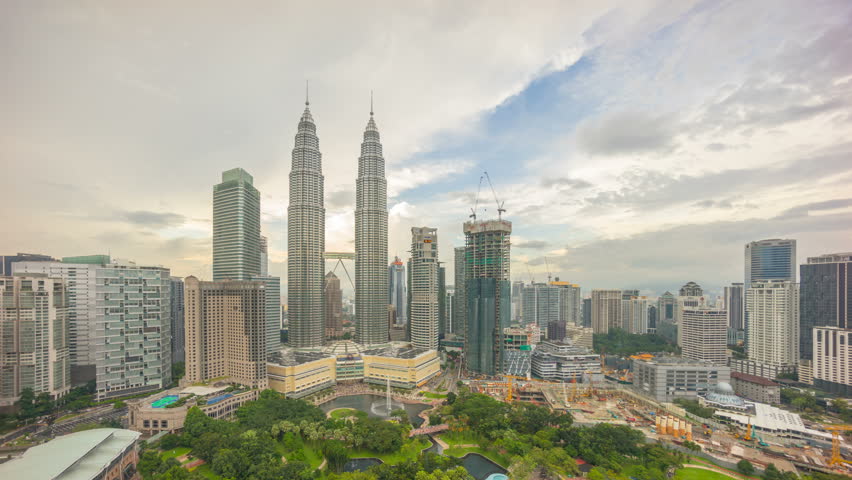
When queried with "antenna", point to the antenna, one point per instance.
{"points": [[307, 96], [371, 103], [500, 208]]}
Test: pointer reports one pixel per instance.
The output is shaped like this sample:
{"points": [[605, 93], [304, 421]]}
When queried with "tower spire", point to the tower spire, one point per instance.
{"points": [[371, 103], [307, 101]]}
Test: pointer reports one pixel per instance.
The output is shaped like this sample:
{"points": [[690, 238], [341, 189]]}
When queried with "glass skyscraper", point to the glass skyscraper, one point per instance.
{"points": [[773, 259], [825, 293], [398, 290], [236, 227]]}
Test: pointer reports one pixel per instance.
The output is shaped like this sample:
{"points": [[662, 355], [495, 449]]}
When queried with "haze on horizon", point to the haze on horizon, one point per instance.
{"points": [[635, 144]]}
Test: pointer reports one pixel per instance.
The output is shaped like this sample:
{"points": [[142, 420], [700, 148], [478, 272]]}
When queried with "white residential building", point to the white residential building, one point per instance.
{"points": [[773, 322], [832, 366], [705, 335], [423, 289]]}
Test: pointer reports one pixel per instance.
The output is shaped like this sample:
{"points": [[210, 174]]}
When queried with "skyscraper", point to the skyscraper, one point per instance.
{"points": [[459, 300], [333, 306], [424, 308], [773, 327], [398, 290], [826, 295], [691, 289], [606, 310], [371, 241], [570, 302], [541, 304], [443, 320], [587, 313], [34, 350], [734, 306], [704, 334], [488, 293], [636, 315], [225, 331], [236, 227], [306, 238], [666, 306], [517, 301], [264, 256], [273, 311], [177, 310], [773, 259]]}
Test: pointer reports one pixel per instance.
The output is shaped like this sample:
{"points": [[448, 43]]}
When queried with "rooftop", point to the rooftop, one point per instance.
{"points": [[76, 456], [753, 379], [672, 360], [287, 357], [397, 352]]}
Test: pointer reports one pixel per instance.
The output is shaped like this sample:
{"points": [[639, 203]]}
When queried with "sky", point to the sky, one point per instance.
{"points": [[635, 144]]}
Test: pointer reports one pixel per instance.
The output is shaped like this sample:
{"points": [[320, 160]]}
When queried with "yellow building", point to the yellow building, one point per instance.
{"points": [[406, 367], [298, 374]]}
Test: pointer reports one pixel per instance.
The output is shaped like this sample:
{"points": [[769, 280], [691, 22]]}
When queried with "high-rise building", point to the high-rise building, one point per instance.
{"points": [[371, 241], [691, 289], [773, 327], [424, 307], [450, 302], [666, 306], [488, 293], [443, 321], [122, 322], [826, 296], [832, 362], [264, 256], [704, 335], [587, 313], [398, 290], [306, 239], [541, 304], [735, 306], [773, 259], [333, 306], [273, 311], [606, 310], [6, 261], [236, 227], [459, 300], [636, 315], [225, 331], [652, 318], [517, 302], [177, 314], [570, 302], [34, 333]]}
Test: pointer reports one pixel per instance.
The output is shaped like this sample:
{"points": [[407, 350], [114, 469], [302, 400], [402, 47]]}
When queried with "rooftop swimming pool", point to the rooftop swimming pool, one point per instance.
{"points": [[163, 402]]}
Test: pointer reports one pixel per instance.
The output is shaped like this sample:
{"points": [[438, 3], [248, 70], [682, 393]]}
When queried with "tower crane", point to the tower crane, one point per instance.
{"points": [[547, 265], [836, 457], [500, 208], [476, 200]]}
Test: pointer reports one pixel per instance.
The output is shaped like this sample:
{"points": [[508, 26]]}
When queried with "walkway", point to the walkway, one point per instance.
{"points": [[429, 430]]}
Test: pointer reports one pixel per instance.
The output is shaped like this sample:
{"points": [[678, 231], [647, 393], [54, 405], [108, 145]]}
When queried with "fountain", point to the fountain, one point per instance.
{"points": [[384, 408]]}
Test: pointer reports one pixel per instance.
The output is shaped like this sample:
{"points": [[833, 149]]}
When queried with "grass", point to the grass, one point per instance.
{"points": [[206, 472], [66, 417], [688, 473], [312, 456], [409, 451], [495, 457], [174, 453], [433, 395], [460, 438], [343, 413]]}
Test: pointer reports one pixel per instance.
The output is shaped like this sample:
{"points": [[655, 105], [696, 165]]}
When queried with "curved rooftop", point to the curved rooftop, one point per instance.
{"points": [[723, 395]]}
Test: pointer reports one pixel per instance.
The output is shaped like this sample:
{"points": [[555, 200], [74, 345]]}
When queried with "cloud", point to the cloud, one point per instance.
{"points": [[343, 197], [152, 219], [566, 183], [409, 177], [532, 244], [816, 208], [627, 132]]}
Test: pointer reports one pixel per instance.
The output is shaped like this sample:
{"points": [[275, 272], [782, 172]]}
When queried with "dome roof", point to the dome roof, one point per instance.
{"points": [[724, 387], [724, 396]]}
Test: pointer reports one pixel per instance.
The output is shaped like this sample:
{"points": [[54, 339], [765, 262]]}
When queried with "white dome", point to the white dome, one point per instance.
{"points": [[724, 387]]}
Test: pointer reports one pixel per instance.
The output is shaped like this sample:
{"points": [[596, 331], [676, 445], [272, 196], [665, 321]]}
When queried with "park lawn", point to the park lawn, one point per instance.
{"points": [[205, 471], [688, 473], [459, 452], [174, 453], [460, 438], [343, 413], [433, 395], [409, 451]]}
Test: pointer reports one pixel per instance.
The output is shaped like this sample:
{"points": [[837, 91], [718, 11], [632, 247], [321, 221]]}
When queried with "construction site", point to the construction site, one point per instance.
{"points": [[613, 402]]}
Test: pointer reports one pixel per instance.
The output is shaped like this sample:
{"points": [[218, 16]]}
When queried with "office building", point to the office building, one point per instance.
{"points": [[273, 311], [423, 289], [652, 318], [705, 335], [570, 302], [177, 311], [333, 306], [691, 289], [773, 259], [100, 453], [306, 239], [34, 332], [371, 241], [734, 305], [236, 227], [264, 256], [460, 300], [225, 331], [563, 362], [442, 301], [606, 310], [825, 297], [666, 306], [6, 261], [587, 312], [756, 389], [398, 290], [832, 363], [541, 304], [773, 326], [488, 293], [636, 312], [517, 302], [449, 303], [667, 378]]}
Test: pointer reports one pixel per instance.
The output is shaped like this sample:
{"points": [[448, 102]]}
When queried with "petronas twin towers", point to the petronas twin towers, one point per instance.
{"points": [[306, 239]]}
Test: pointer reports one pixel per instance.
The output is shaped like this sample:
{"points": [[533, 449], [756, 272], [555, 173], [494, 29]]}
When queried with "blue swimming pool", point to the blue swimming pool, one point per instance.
{"points": [[165, 401]]}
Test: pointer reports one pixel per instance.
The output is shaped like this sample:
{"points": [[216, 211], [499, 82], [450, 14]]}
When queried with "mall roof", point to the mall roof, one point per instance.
{"points": [[76, 456]]}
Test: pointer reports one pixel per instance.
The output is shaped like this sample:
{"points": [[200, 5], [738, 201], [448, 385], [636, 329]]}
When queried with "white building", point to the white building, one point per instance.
{"points": [[423, 290], [773, 322], [635, 314], [564, 361], [704, 334], [832, 365], [606, 310]]}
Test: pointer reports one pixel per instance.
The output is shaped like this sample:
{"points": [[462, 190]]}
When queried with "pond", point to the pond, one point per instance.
{"points": [[360, 464], [369, 403], [481, 468]]}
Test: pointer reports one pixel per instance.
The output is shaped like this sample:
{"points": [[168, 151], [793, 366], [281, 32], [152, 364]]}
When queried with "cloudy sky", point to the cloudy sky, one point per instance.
{"points": [[636, 145]]}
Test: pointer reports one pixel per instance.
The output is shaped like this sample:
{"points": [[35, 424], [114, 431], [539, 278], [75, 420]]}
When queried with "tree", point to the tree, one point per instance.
{"points": [[336, 455], [692, 446], [231, 463], [745, 467], [149, 463], [451, 398], [178, 371]]}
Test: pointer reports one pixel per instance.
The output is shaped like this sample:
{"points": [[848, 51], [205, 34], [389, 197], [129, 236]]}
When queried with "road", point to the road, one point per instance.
{"points": [[100, 415]]}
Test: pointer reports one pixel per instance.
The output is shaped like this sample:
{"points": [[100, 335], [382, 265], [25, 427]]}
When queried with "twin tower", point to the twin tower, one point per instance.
{"points": [[306, 240]]}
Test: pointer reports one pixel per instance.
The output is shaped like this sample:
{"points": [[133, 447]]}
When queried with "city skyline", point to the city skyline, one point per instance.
{"points": [[712, 157]]}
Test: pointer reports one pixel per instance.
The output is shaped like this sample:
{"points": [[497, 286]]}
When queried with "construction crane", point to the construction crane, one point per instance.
{"points": [[747, 437], [500, 208], [476, 200], [532, 279], [835, 430], [547, 265]]}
